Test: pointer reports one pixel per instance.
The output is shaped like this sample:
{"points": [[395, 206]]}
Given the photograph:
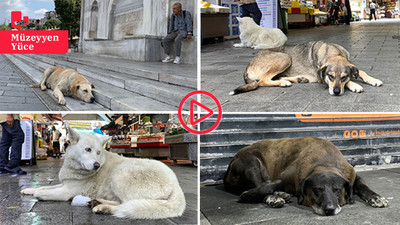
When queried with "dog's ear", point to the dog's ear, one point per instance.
{"points": [[300, 192], [92, 85], [74, 88], [349, 192], [321, 74], [73, 135], [104, 139], [354, 71]]}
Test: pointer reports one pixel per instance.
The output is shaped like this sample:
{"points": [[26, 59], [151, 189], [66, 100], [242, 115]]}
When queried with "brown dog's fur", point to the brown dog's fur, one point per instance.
{"points": [[66, 82], [316, 61], [297, 166]]}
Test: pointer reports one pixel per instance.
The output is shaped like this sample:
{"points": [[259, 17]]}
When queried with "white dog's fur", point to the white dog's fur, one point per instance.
{"points": [[254, 36], [124, 187]]}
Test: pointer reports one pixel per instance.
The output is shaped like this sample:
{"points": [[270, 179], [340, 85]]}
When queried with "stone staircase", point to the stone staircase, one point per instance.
{"points": [[121, 85], [365, 140]]}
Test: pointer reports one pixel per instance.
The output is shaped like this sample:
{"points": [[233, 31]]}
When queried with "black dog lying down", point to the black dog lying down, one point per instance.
{"points": [[310, 168]]}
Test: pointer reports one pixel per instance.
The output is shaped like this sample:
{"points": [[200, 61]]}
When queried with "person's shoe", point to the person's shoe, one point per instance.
{"points": [[177, 60], [3, 171], [15, 170], [168, 59]]}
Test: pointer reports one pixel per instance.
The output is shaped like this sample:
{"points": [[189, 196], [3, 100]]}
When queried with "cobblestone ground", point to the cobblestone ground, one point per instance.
{"points": [[15, 94], [373, 46]]}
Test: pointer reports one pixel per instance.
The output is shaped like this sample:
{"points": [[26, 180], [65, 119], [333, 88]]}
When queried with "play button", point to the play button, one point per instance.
{"points": [[192, 105], [200, 110]]}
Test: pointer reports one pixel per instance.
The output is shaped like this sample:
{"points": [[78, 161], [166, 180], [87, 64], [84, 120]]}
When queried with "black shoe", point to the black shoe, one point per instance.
{"points": [[15, 170], [3, 171]]}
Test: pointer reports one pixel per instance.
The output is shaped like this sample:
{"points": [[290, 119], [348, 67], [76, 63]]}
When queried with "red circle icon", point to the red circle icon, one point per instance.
{"points": [[192, 103]]}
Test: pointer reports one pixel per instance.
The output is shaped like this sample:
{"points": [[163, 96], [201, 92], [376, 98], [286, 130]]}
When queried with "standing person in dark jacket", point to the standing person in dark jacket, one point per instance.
{"points": [[181, 26]]}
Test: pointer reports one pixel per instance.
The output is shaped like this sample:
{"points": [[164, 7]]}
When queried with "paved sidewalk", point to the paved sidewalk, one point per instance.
{"points": [[374, 47], [220, 207], [16, 209], [15, 94]]}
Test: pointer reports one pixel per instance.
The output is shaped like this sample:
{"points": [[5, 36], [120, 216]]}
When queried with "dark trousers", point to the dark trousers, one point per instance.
{"points": [[347, 19], [173, 37], [372, 13], [252, 8], [56, 148], [12, 137]]}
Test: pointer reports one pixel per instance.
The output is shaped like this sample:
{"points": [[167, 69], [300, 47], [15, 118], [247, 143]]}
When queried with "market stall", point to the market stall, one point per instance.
{"points": [[300, 14], [215, 21]]}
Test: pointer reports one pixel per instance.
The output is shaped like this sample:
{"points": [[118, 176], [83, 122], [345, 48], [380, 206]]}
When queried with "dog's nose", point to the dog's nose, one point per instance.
{"points": [[96, 165], [336, 90], [330, 210], [91, 99]]}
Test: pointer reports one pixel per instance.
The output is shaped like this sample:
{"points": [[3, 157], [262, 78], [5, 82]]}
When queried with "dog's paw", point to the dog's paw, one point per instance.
{"points": [[274, 201], [285, 196], [28, 191], [378, 202], [102, 209], [93, 203], [285, 83], [356, 88], [237, 45], [302, 80], [62, 101], [43, 87], [376, 82]]}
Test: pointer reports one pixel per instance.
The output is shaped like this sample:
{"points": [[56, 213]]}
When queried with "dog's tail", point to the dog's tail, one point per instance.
{"points": [[245, 88], [154, 209]]}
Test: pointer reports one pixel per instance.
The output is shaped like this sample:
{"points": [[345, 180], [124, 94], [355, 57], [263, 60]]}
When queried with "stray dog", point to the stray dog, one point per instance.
{"points": [[311, 168], [66, 82], [124, 187], [319, 61], [254, 36]]}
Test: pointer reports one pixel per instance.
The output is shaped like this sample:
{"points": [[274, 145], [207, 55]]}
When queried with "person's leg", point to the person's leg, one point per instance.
{"points": [[370, 15], [178, 44], [253, 8], [5, 145], [18, 138], [167, 42], [245, 12]]}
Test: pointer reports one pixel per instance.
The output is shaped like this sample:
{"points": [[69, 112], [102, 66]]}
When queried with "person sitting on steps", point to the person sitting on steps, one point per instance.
{"points": [[181, 26]]}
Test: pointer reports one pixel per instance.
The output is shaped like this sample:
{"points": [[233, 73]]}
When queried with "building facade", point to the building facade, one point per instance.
{"points": [[132, 29]]}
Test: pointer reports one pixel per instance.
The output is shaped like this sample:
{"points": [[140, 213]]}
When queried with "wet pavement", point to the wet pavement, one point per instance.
{"points": [[220, 207], [18, 209], [374, 47]]}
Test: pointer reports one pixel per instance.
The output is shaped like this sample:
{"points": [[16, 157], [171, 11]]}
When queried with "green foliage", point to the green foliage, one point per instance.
{"points": [[51, 24], [4, 27], [70, 14], [31, 25]]}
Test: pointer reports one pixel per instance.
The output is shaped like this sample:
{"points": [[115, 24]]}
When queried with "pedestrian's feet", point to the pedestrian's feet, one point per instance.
{"points": [[177, 60], [168, 59], [3, 171], [15, 170]]}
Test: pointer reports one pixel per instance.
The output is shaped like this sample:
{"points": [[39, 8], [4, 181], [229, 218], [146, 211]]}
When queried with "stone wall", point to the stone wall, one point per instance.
{"points": [[132, 29]]}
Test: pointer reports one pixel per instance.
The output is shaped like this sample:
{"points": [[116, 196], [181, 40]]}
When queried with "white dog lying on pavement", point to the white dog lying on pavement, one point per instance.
{"points": [[254, 36], [124, 187]]}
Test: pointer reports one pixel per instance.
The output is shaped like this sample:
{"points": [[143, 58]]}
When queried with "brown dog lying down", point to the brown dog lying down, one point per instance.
{"points": [[310, 168], [66, 82]]}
